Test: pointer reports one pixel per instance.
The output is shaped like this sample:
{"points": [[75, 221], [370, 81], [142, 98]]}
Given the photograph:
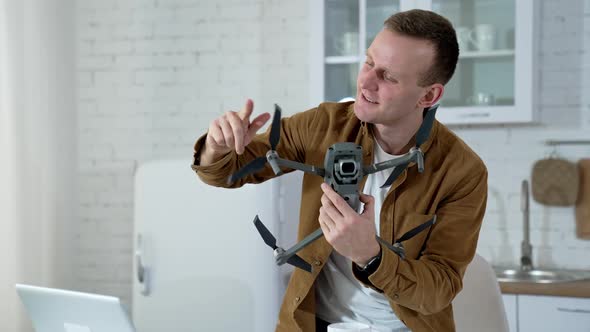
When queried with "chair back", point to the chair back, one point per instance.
{"points": [[479, 305]]}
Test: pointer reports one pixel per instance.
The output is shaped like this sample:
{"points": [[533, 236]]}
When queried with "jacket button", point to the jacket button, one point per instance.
{"points": [[318, 262], [297, 299], [395, 296]]}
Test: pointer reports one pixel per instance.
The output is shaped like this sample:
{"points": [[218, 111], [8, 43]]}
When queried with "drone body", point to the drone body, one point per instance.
{"points": [[344, 173]]}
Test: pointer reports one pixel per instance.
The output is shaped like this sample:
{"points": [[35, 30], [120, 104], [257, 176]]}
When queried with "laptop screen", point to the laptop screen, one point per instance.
{"points": [[57, 310]]}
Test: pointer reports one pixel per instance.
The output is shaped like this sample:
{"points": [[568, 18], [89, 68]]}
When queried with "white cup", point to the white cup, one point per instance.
{"points": [[484, 37], [463, 38], [347, 44], [482, 99], [349, 327]]}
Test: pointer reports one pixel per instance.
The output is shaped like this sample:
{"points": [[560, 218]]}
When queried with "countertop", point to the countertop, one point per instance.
{"points": [[569, 289]]}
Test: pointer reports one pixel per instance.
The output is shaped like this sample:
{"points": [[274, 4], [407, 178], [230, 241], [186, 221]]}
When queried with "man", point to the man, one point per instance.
{"points": [[354, 277]]}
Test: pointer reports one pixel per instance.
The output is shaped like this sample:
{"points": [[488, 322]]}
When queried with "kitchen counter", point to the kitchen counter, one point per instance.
{"points": [[568, 289]]}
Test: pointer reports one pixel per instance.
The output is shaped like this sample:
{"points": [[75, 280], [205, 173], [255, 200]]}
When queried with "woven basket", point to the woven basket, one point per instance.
{"points": [[555, 182]]}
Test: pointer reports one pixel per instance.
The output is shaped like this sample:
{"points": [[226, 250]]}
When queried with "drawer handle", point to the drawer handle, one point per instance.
{"points": [[575, 311], [476, 115], [143, 272]]}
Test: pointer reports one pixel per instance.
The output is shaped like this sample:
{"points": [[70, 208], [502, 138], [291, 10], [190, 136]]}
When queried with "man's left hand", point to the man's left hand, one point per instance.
{"points": [[351, 234]]}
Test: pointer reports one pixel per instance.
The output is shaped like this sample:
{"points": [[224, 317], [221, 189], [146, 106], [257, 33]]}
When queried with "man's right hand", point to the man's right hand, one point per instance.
{"points": [[231, 131]]}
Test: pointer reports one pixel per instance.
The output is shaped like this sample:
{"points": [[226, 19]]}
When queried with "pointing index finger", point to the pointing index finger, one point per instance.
{"points": [[246, 111]]}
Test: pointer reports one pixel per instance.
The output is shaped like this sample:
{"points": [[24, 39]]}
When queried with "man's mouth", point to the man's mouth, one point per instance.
{"points": [[369, 99]]}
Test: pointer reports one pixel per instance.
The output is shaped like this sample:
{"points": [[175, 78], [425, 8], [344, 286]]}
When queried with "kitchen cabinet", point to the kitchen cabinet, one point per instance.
{"points": [[494, 81], [549, 313], [533, 313], [510, 306]]}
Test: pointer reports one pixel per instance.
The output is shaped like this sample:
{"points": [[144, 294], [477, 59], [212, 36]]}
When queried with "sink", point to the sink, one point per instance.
{"points": [[526, 273], [540, 276]]}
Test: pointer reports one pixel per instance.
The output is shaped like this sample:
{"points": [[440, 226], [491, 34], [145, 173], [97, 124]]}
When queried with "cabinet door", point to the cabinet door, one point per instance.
{"points": [[348, 28], [493, 81], [510, 306], [551, 313], [342, 48]]}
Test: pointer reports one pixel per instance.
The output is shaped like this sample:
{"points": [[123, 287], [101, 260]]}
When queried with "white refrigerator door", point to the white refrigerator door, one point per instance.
{"points": [[207, 268]]}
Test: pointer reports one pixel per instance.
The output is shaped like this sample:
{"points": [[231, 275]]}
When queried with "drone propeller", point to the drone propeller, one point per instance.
{"points": [[397, 171], [258, 163], [397, 247], [250, 168], [271, 241], [416, 230], [267, 236], [421, 137], [424, 130], [275, 128], [300, 263]]}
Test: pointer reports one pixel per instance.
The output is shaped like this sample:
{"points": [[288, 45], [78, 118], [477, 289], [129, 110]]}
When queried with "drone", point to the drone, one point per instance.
{"points": [[343, 171]]}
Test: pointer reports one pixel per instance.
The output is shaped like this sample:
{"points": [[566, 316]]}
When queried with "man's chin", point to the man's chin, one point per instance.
{"points": [[362, 113]]}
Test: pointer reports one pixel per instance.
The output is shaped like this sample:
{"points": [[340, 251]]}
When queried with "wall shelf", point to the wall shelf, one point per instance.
{"points": [[488, 54]]}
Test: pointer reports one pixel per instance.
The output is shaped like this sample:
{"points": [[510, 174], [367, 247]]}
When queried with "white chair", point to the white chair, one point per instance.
{"points": [[479, 305]]}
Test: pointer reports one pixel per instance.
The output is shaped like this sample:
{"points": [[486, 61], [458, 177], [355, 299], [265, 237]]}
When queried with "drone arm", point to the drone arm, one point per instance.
{"points": [[397, 247], [404, 159], [302, 167], [284, 256], [302, 244], [420, 162]]}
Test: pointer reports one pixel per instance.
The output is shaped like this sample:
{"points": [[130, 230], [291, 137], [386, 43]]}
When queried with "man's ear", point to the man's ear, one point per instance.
{"points": [[432, 95]]}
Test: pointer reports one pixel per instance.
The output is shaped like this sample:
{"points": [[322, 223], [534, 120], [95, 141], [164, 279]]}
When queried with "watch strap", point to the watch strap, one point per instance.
{"points": [[371, 266]]}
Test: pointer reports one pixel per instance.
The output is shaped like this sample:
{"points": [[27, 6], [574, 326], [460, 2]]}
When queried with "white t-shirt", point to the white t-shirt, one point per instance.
{"points": [[342, 298]]}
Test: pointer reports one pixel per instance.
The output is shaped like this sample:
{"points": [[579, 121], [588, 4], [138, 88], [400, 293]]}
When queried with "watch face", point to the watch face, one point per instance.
{"points": [[372, 262]]}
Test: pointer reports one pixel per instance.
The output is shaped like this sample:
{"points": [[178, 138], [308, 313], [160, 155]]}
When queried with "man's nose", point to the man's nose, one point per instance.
{"points": [[368, 80]]}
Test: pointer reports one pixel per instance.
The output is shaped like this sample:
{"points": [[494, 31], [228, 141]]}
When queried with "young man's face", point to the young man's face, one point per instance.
{"points": [[387, 84]]}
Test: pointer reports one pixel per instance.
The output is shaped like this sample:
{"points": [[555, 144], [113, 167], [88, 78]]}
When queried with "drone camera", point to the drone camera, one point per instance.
{"points": [[347, 167]]}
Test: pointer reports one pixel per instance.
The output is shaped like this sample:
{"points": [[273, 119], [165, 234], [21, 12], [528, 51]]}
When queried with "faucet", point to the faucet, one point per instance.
{"points": [[526, 261]]}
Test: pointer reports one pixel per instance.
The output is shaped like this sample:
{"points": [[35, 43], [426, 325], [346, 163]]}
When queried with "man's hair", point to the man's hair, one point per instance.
{"points": [[426, 25]]}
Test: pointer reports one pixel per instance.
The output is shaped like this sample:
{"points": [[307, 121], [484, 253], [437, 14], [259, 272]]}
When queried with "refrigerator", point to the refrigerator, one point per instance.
{"points": [[199, 263]]}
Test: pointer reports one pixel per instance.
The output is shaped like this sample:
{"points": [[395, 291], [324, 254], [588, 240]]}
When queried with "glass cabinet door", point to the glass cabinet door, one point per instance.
{"points": [[340, 81], [495, 80], [376, 13], [341, 26], [485, 72], [350, 26]]}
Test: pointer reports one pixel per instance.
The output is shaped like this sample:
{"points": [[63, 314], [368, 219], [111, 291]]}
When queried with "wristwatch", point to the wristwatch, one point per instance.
{"points": [[372, 265]]}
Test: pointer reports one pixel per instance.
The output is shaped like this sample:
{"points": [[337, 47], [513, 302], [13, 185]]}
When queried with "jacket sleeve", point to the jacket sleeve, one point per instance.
{"points": [[291, 146], [429, 284]]}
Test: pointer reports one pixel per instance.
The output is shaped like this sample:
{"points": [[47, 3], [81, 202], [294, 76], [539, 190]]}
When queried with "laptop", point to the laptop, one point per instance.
{"points": [[57, 310]]}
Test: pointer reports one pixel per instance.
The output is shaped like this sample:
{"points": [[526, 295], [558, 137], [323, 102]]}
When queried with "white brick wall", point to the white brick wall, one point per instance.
{"points": [[153, 74]]}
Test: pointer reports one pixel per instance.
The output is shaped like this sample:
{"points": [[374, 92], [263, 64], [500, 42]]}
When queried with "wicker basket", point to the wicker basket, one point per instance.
{"points": [[555, 182]]}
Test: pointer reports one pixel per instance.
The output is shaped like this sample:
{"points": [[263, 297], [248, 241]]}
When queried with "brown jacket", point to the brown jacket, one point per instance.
{"points": [[453, 186]]}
